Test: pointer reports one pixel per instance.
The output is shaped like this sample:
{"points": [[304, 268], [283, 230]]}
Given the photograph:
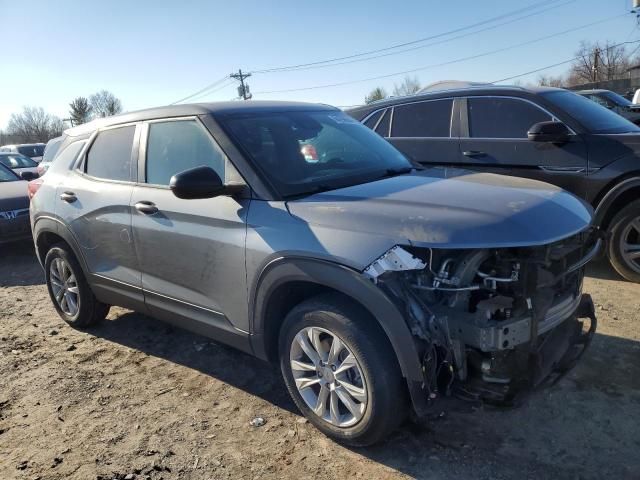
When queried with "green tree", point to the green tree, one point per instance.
{"points": [[80, 111], [377, 93]]}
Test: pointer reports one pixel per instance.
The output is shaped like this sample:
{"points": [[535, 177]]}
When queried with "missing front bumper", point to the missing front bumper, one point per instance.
{"points": [[556, 353]]}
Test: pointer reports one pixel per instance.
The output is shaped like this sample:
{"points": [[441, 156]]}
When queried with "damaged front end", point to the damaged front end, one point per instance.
{"points": [[492, 324]]}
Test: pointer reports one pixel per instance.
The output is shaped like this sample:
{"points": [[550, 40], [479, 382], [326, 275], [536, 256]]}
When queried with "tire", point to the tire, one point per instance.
{"points": [[64, 274], [379, 396], [625, 229]]}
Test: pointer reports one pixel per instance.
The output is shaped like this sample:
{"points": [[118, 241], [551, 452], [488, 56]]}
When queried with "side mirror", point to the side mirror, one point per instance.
{"points": [[198, 182], [551, 132], [28, 176]]}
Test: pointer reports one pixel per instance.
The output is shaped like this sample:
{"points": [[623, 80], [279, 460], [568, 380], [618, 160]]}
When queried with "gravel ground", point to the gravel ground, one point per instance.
{"points": [[134, 398]]}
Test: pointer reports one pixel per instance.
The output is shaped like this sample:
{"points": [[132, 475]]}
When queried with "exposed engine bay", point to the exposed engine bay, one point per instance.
{"points": [[492, 324]]}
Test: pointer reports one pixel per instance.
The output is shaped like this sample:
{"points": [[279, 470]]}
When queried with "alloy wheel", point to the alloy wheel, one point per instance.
{"points": [[64, 286], [328, 376], [630, 244]]}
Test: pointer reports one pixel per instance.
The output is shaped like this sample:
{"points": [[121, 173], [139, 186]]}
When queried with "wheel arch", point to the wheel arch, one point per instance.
{"points": [[621, 194], [285, 282], [47, 232]]}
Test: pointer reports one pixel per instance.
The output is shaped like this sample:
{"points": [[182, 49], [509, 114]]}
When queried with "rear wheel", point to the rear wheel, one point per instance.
{"points": [[69, 291], [624, 244], [341, 371]]}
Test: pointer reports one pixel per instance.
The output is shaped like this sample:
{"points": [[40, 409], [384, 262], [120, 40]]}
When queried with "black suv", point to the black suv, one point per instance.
{"points": [[543, 133]]}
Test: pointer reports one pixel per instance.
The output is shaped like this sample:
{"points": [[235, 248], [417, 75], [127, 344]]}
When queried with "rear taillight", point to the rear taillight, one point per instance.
{"points": [[41, 169], [33, 186]]}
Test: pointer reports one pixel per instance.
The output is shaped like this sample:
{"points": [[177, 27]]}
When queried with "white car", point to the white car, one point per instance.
{"points": [[50, 151], [32, 150]]}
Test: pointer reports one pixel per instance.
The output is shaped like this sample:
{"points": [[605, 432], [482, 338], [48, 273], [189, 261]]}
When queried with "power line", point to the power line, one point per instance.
{"points": [[419, 47], [224, 85], [211, 85], [399, 45], [559, 63], [450, 62]]}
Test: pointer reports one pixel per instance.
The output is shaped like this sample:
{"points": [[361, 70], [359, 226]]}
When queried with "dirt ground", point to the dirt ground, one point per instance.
{"points": [[134, 398]]}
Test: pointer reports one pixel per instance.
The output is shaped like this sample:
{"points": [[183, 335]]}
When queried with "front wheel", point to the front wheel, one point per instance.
{"points": [[624, 244], [341, 371]]}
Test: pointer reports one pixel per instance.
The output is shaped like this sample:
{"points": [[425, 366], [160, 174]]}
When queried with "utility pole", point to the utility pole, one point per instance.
{"points": [[243, 89], [596, 57]]}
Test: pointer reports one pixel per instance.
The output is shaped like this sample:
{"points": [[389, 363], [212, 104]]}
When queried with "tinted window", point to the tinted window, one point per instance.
{"points": [[373, 119], [173, 147], [594, 117], [502, 117], [110, 154], [424, 119], [383, 126], [32, 150], [17, 161], [305, 151]]}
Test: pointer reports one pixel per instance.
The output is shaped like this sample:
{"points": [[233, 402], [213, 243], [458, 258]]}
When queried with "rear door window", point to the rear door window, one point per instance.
{"points": [[110, 154], [496, 117], [424, 119], [176, 146]]}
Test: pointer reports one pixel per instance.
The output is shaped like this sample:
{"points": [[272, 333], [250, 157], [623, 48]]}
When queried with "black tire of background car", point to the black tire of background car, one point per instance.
{"points": [[388, 399], [91, 311], [616, 227]]}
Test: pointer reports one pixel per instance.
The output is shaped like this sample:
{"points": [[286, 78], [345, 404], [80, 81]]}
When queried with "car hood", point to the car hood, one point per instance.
{"points": [[13, 196], [450, 208]]}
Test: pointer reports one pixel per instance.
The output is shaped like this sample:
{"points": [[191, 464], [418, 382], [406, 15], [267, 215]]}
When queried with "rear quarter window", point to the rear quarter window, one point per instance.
{"points": [[109, 156]]}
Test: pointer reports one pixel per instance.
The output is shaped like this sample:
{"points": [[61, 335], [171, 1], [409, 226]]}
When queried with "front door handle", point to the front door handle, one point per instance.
{"points": [[473, 153], [148, 208], [68, 197]]}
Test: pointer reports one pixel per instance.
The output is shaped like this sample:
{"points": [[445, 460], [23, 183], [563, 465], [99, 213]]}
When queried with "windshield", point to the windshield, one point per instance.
{"points": [[17, 161], [307, 151], [31, 150], [616, 98], [594, 117], [7, 175]]}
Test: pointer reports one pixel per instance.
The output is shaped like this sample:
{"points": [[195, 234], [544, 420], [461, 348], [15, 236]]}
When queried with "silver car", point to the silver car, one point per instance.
{"points": [[294, 233]]}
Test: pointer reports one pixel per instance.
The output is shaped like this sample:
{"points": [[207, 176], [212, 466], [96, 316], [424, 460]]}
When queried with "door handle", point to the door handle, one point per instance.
{"points": [[148, 208], [68, 197], [473, 153]]}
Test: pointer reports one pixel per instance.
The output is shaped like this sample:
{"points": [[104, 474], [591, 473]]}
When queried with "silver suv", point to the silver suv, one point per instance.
{"points": [[294, 233]]}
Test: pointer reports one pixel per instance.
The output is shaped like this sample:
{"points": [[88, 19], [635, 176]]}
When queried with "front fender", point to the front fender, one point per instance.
{"points": [[353, 284]]}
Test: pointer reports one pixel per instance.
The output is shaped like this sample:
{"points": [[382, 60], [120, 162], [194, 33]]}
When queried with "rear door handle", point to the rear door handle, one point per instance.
{"points": [[473, 153], [146, 207], [68, 197]]}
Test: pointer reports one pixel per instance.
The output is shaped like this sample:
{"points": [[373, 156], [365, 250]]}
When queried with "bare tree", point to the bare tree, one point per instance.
{"points": [[597, 62], [34, 125], [80, 111], [377, 93], [105, 104], [408, 86], [551, 81]]}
